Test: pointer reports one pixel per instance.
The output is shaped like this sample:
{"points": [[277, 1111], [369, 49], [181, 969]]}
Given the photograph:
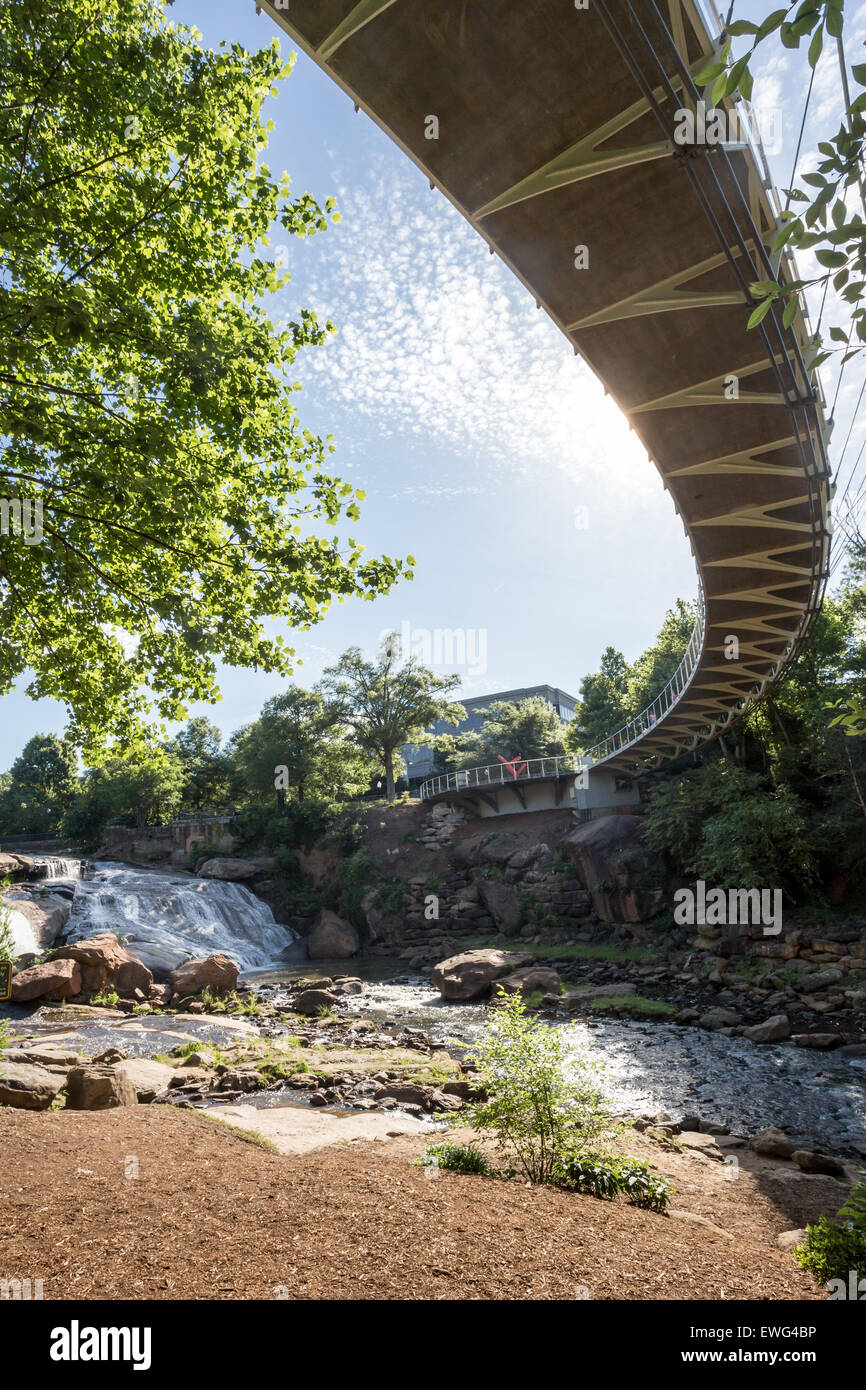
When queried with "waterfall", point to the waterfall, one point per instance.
{"points": [[59, 868], [24, 941], [165, 918]]}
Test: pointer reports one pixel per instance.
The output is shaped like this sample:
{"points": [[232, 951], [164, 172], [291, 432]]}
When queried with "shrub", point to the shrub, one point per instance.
{"points": [[458, 1158], [607, 1175], [539, 1101], [7, 940], [833, 1249]]}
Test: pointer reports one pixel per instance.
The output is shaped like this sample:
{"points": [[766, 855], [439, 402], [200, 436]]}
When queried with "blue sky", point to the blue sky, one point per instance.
{"points": [[486, 449]]}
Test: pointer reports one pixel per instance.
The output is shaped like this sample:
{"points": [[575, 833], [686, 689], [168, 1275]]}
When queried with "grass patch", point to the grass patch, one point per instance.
{"points": [[633, 1004], [574, 950]]}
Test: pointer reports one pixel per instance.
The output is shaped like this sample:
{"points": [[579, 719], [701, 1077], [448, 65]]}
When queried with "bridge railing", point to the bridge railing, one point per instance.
{"points": [[529, 769]]}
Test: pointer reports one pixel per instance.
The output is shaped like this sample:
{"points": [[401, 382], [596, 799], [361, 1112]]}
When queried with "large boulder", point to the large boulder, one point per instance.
{"points": [[332, 938], [46, 915], [773, 1029], [148, 1077], [105, 964], [504, 904], [625, 878], [28, 1087], [54, 979], [313, 1001], [217, 972], [228, 870], [97, 1087], [471, 974]]}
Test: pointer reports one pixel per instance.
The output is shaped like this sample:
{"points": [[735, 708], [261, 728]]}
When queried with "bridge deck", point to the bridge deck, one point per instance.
{"points": [[555, 131]]}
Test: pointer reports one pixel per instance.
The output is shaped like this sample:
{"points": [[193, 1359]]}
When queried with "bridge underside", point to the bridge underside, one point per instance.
{"points": [[554, 135]]}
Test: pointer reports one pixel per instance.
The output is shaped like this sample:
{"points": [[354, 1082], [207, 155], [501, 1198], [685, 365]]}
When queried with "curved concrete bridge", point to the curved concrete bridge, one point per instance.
{"points": [[557, 132]]}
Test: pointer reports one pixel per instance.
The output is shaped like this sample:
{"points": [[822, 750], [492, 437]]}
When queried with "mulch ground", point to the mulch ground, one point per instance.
{"points": [[213, 1217]]}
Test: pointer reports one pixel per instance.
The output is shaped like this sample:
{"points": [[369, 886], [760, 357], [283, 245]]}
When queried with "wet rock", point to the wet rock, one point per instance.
{"points": [[105, 964], [822, 1041], [99, 1088], [216, 972], [228, 870], [809, 1162], [773, 1029], [332, 938], [313, 1001], [471, 974], [719, 1018], [530, 980], [47, 915], [27, 1087], [55, 979]]}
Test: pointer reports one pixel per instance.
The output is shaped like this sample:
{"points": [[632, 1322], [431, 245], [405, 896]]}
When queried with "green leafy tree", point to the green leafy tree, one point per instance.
{"points": [[206, 770], [540, 1100], [526, 728], [822, 220], [297, 732], [651, 672], [389, 702], [145, 393], [603, 704], [41, 786], [146, 789]]}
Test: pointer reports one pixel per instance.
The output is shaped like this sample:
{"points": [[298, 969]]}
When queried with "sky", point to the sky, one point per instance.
{"points": [[486, 449]]}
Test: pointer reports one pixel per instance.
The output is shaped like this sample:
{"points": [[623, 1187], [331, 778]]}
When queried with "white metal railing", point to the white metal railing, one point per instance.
{"points": [[530, 769]]}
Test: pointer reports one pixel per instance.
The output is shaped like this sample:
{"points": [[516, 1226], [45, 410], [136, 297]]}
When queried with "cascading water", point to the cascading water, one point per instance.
{"points": [[167, 918], [59, 868]]}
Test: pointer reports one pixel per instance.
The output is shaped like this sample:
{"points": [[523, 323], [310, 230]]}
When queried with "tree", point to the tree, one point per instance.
{"points": [[604, 702], [146, 396], [823, 221], [297, 746], [528, 728], [388, 702], [41, 786], [144, 790], [206, 769], [656, 666]]}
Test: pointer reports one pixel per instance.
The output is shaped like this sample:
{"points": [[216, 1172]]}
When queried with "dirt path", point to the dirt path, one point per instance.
{"points": [[211, 1216]]}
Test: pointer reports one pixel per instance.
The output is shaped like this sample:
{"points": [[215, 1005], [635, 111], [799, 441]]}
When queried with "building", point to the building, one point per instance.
{"points": [[419, 761]]}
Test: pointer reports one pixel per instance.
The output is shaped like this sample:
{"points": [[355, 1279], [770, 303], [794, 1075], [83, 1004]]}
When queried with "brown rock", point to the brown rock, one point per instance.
{"points": [[773, 1143], [809, 1162], [471, 974], [55, 979], [822, 1041], [530, 980], [228, 870], [625, 878], [313, 1001], [105, 964], [332, 938], [28, 1087], [216, 971], [99, 1088]]}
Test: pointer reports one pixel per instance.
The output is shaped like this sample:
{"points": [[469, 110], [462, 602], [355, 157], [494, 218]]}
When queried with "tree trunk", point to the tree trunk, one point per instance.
{"points": [[389, 774]]}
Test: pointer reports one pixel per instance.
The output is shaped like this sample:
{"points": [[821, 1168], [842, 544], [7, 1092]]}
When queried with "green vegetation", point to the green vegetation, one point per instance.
{"points": [[525, 728], [103, 998], [146, 394], [457, 1158], [536, 1106], [835, 1248], [608, 1175], [248, 1136]]}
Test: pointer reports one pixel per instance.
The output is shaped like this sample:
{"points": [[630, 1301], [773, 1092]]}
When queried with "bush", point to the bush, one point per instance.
{"points": [[834, 1249], [608, 1175], [7, 940], [458, 1158], [540, 1102]]}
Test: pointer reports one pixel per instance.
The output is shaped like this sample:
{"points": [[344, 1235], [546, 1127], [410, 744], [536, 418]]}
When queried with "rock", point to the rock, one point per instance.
{"points": [[809, 1162], [110, 1056], [55, 979], [332, 938], [200, 1058], [228, 870], [504, 904], [471, 974], [822, 1041], [348, 987], [773, 1143], [216, 972], [99, 1088], [406, 1093], [786, 1240], [626, 879], [105, 964], [45, 914], [313, 1001], [27, 1087], [147, 1077], [773, 1029], [719, 1018], [808, 984], [530, 980], [49, 1055]]}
